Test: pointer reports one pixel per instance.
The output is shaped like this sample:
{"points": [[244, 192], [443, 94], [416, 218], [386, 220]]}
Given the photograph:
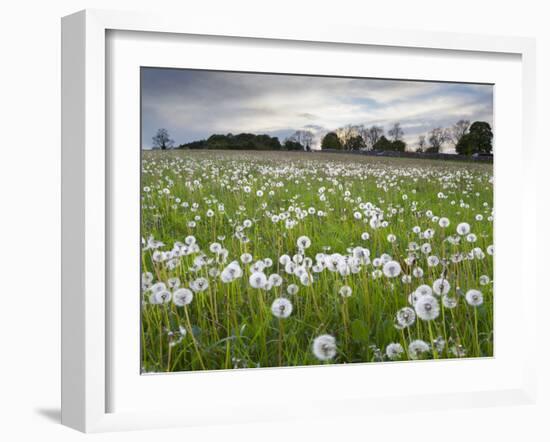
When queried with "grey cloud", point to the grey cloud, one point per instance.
{"points": [[193, 104]]}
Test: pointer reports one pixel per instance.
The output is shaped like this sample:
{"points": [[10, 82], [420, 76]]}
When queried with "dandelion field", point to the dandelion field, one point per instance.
{"points": [[268, 259]]}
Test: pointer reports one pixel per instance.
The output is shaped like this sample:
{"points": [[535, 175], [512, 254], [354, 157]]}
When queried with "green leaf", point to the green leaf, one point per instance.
{"points": [[359, 330]]}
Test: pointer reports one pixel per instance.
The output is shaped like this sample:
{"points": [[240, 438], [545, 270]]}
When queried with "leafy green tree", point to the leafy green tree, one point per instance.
{"points": [[398, 146], [200, 144], [356, 142], [482, 137], [292, 145], [479, 139], [465, 145], [237, 142], [382, 144], [331, 141], [217, 141], [265, 142]]}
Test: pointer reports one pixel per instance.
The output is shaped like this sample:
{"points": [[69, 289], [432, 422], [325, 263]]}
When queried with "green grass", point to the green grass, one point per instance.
{"points": [[230, 325]]}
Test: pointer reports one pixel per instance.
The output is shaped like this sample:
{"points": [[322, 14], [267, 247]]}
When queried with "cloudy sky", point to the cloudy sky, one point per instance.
{"points": [[194, 104]]}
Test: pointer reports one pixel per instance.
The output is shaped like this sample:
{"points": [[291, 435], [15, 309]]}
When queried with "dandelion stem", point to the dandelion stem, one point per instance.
{"points": [[169, 357], [476, 333], [281, 337], [190, 329], [434, 351]]}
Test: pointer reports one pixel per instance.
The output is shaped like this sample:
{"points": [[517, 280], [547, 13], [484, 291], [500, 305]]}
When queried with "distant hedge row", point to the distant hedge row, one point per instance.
{"points": [[242, 141]]}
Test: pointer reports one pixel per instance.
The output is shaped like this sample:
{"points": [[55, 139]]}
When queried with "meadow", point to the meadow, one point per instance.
{"points": [[266, 259]]}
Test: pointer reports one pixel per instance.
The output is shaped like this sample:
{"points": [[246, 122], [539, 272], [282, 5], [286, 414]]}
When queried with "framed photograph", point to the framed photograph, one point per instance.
{"points": [[276, 223]]}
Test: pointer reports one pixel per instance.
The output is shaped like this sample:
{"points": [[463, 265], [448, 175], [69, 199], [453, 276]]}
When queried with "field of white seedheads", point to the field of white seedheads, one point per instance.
{"points": [[259, 259]]}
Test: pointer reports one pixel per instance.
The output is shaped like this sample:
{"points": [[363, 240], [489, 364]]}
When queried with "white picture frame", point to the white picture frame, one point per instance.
{"points": [[86, 203]]}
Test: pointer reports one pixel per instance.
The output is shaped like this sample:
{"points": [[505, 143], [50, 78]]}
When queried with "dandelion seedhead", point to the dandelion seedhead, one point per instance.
{"points": [[427, 308], [441, 286], [324, 347], [345, 291], [449, 301], [257, 280], [391, 269], [182, 297], [418, 348], [405, 317], [281, 308], [160, 297], [463, 229], [292, 289], [303, 242], [423, 290], [394, 351], [474, 297], [199, 284]]}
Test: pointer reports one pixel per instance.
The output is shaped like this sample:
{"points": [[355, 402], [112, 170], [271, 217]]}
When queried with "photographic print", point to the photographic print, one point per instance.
{"points": [[296, 220]]}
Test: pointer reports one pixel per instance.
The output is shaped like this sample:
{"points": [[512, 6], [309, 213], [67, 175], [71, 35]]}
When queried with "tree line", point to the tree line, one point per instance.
{"points": [[300, 140], [244, 141], [465, 138], [359, 137]]}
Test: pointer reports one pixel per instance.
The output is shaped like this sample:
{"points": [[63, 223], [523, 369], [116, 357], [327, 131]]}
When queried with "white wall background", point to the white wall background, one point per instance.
{"points": [[30, 212]]}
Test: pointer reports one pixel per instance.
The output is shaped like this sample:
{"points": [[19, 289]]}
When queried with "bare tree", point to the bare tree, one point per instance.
{"points": [[438, 137], [363, 132], [345, 134], [396, 133], [421, 143], [373, 135], [304, 137], [458, 130], [307, 138], [162, 140]]}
